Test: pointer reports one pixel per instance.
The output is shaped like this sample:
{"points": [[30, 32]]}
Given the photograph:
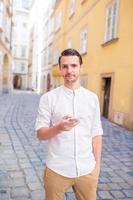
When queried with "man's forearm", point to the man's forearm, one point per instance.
{"points": [[97, 149], [64, 125], [47, 133]]}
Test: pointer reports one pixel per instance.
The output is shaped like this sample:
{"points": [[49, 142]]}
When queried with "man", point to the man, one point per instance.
{"points": [[69, 118]]}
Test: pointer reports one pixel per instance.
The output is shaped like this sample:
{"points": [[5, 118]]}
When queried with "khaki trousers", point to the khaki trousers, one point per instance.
{"points": [[84, 187]]}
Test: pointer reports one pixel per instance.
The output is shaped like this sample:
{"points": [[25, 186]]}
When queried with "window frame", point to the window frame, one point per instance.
{"points": [[83, 41], [22, 67], [23, 51], [56, 56], [82, 1], [58, 20], [72, 7], [111, 21]]}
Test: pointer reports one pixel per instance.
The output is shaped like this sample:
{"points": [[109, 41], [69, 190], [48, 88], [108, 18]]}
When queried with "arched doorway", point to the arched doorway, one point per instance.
{"points": [[17, 82], [5, 78], [48, 82]]}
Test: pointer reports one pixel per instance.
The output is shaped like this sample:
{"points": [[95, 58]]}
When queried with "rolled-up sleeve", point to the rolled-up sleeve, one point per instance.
{"points": [[96, 122], [44, 113]]}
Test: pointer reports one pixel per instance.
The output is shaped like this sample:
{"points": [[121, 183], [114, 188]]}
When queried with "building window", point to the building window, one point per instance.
{"points": [[1, 14], [22, 67], [15, 50], [18, 4], [50, 53], [72, 7], [83, 41], [8, 27], [26, 4], [23, 51], [82, 1], [52, 25], [58, 20], [44, 58], [111, 21], [56, 56]]}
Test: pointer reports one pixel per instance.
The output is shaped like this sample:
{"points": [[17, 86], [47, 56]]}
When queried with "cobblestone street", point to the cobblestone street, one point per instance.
{"points": [[22, 156]]}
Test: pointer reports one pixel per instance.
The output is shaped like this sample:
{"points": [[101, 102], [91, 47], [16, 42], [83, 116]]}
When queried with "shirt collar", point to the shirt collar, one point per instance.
{"points": [[71, 91]]}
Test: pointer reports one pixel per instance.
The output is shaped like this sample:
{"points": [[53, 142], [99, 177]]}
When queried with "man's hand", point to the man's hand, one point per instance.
{"points": [[67, 123]]}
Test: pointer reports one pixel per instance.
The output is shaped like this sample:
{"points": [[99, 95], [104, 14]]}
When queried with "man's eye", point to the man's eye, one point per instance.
{"points": [[74, 66], [64, 66]]}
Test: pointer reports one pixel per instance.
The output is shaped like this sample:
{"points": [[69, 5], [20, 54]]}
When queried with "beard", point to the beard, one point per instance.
{"points": [[70, 78]]}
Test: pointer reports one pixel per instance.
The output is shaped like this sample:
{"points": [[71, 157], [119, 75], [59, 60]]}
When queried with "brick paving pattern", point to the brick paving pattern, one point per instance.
{"points": [[22, 156]]}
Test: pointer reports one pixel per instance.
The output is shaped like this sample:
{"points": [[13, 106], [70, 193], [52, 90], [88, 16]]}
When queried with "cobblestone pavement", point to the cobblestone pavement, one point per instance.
{"points": [[22, 156]]}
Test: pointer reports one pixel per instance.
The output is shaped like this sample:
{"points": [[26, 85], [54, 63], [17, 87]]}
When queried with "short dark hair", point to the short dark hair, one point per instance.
{"points": [[70, 52]]}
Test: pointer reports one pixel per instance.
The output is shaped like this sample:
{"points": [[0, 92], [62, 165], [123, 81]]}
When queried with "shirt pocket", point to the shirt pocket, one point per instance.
{"points": [[85, 124], [85, 119]]}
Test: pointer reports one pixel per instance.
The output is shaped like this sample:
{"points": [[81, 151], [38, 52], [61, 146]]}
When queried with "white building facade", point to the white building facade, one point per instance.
{"points": [[42, 55], [33, 47], [46, 51], [20, 43]]}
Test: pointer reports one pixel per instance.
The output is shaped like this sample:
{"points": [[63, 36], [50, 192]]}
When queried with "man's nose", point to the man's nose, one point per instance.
{"points": [[69, 69]]}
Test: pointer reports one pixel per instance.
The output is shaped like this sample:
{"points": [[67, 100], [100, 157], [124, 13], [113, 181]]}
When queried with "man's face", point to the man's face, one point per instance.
{"points": [[70, 68]]}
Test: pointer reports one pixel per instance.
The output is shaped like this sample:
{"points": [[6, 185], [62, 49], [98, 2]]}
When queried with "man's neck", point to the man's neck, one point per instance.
{"points": [[72, 86]]}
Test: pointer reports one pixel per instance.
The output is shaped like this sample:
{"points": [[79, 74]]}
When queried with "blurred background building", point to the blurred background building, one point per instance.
{"points": [[5, 46], [46, 50], [20, 42], [40, 48], [35, 42]]}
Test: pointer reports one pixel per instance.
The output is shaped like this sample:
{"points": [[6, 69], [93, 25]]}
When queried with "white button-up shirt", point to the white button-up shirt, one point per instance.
{"points": [[70, 153]]}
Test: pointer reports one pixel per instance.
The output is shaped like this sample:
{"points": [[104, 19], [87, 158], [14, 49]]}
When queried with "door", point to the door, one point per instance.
{"points": [[17, 82], [106, 101]]}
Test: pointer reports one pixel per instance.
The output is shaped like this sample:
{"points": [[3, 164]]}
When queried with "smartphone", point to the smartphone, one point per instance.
{"points": [[74, 119]]}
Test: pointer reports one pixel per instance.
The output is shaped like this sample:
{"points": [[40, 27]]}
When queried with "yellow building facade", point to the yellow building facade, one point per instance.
{"points": [[5, 46], [101, 30]]}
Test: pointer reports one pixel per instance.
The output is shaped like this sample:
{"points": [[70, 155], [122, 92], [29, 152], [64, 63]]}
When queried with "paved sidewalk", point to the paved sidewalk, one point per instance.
{"points": [[22, 156]]}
